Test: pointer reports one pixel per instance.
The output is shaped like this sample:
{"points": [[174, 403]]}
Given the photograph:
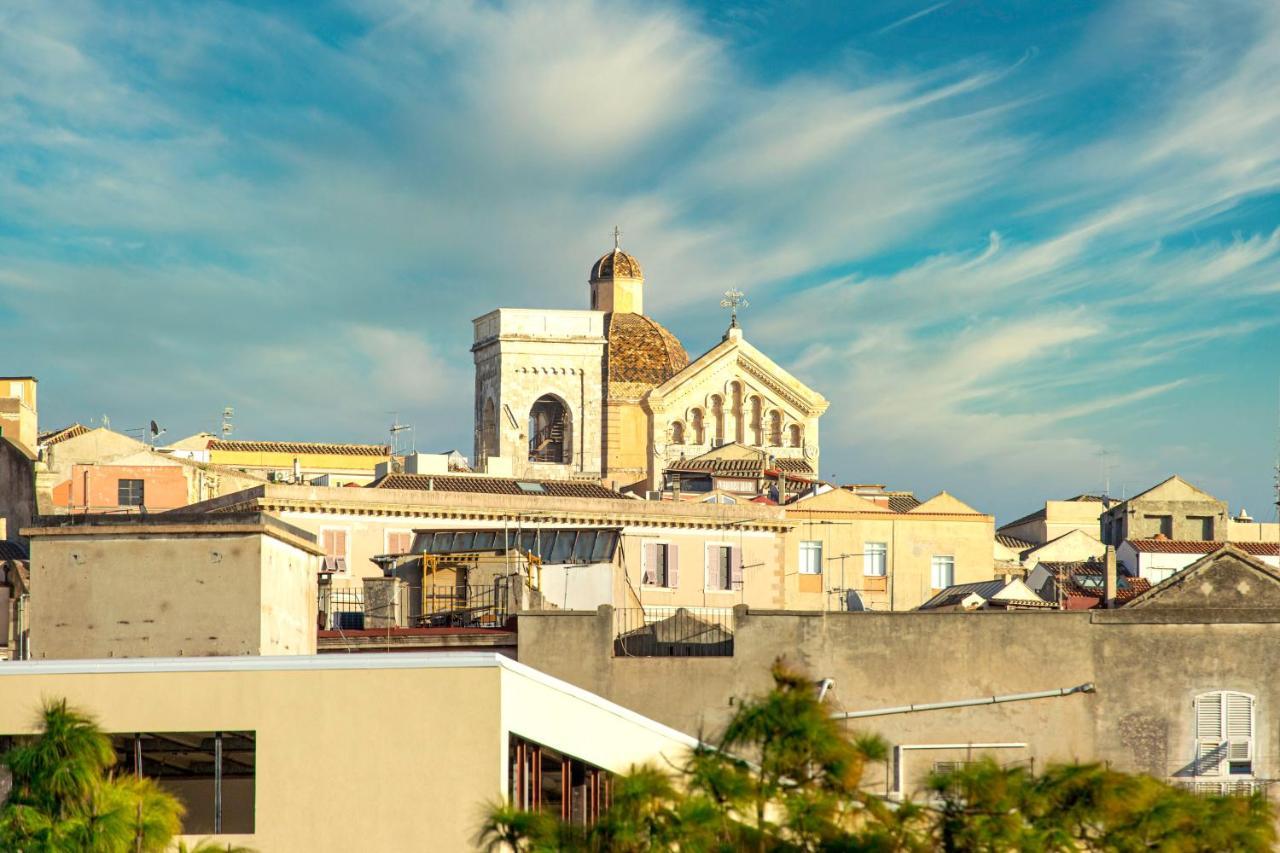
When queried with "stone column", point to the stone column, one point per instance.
{"points": [[382, 602]]}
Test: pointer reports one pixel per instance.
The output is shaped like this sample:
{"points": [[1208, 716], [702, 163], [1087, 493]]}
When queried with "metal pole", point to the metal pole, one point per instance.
{"points": [[217, 783], [1087, 687]]}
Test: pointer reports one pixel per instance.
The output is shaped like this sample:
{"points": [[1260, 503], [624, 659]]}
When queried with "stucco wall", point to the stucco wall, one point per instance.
{"points": [[1139, 718], [146, 595], [17, 487]]}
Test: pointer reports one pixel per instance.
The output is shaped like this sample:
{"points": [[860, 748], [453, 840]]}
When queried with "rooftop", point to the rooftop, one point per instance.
{"points": [[322, 448], [1195, 546], [495, 486]]}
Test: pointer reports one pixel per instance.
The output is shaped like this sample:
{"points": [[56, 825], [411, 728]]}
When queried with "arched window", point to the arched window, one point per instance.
{"points": [[550, 431], [756, 421], [1224, 734], [735, 410], [717, 418], [775, 428], [699, 431], [488, 432], [795, 435], [677, 432]]}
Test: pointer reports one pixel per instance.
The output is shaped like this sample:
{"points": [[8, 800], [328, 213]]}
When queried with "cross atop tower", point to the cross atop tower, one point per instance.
{"points": [[733, 300], [617, 238]]}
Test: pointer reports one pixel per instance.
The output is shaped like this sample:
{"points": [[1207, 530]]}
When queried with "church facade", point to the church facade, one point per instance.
{"points": [[608, 393]]}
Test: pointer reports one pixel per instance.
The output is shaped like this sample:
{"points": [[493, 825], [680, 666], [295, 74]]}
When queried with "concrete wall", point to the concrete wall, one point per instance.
{"points": [[185, 591], [1139, 719], [97, 486], [912, 541], [17, 487]]}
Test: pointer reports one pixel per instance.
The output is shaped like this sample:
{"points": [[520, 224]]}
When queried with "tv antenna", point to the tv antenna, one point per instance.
{"points": [[396, 429], [227, 427]]}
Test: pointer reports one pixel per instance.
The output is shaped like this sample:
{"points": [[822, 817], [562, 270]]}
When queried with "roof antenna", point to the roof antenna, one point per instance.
{"points": [[227, 414], [396, 429]]}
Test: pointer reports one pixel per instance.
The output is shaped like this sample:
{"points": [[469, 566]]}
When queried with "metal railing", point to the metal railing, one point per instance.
{"points": [[432, 606], [1208, 786], [460, 606], [340, 609], [693, 632]]}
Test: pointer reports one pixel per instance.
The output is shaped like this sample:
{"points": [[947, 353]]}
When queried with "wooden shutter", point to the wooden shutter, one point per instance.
{"points": [[673, 566], [648, 563], [1239, 725], [735, 567]]}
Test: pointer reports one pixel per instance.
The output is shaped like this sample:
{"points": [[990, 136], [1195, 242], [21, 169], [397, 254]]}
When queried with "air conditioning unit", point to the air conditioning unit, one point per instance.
{"points": [[652, 495]]}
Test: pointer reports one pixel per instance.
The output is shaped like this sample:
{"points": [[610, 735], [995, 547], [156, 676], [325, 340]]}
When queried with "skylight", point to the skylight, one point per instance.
{"points": [[532, 488]]}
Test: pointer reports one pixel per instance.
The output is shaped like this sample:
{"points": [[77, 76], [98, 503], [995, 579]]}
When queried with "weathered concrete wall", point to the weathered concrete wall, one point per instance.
{"points": [[1139, 718], [17, 487], [148, 594]]}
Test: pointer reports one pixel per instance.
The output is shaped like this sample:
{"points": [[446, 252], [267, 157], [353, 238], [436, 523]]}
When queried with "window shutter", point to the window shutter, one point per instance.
{"points": [[648, 563], [673, 566], [735, 566], [1239, 726], [1208, 757], [1209, 717]]}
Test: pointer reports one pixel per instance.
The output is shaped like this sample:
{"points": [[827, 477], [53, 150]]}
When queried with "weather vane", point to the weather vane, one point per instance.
{"points": [[733, 300]]}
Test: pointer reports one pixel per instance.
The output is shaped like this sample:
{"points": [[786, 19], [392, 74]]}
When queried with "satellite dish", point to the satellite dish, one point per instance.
{"points": [[853, 601], [155, 428]]}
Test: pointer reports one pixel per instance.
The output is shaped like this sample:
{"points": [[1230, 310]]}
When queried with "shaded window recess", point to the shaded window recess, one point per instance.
{"points": [[212, 773], [542, 779]]}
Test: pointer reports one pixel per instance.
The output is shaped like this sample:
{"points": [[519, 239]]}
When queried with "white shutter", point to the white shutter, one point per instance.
{"points": [[1239, 718], [1209, 734], [1209, 717]]}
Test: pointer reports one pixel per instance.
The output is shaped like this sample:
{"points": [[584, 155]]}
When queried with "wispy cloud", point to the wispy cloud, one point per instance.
{"points": [[234, 205]]}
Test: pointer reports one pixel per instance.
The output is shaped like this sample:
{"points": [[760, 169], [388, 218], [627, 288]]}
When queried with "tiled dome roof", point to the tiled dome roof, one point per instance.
{"points": [[642, 354], [616, 263]]}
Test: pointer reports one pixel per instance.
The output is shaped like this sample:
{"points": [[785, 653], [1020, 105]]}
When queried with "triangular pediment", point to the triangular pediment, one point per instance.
{"points": [[735, 355], [732, 450], [1070, 546], [1016, 590], [1228, 578], [1174, 489], [837, 500], [944, 502]]}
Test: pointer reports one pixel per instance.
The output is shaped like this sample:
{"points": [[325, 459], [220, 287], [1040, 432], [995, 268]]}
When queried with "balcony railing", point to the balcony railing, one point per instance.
{"points": [[432, 606], [673, 632]]}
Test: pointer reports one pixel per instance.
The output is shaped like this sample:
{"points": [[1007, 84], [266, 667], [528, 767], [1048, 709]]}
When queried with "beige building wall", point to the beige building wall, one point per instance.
{"points": [[845, 524], [148, 590], [1252, 531], [19, 412], [1058, 519], [417, 771]]}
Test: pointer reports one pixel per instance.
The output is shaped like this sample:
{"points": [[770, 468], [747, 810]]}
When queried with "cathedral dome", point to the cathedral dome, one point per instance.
{"points": [[642, 354], [616, 264]]}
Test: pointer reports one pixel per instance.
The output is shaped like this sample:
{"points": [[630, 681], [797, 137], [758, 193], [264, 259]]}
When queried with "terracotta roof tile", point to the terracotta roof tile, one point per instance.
{"points": [[1193, 546], [1013, 542], [496, 486], [57, 435], [233, 445], [903, 502], [642, 354]]}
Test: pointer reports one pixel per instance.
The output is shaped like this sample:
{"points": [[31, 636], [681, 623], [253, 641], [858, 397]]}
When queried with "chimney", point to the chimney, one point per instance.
{"points": [[1109, 578]]}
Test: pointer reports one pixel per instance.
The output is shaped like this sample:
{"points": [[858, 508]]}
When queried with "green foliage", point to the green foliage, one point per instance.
{"points": [[65, 798], [785, 776]]}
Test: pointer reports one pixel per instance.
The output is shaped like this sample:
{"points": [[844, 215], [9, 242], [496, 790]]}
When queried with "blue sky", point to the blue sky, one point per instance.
{"points": [[1001, 238]]}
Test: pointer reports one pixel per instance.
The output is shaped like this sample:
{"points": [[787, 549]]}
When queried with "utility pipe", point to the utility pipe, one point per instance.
{"points": [[1087, 687]]}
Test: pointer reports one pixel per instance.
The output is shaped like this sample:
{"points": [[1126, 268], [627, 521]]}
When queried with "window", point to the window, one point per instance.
{"points": [[943, 572], [811, 557], [212, 773], [1202, 526], [531, 488], [549, 431], [542, 779], [334, 542], [661, 564], [795, 434], [129, 492], [874, 559], [724, 568], [1224, 734], [399, 541], [1160, 525]]}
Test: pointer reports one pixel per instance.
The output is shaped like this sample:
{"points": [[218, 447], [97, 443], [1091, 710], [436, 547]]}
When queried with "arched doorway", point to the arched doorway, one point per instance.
{"points": [[550, 431]]}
